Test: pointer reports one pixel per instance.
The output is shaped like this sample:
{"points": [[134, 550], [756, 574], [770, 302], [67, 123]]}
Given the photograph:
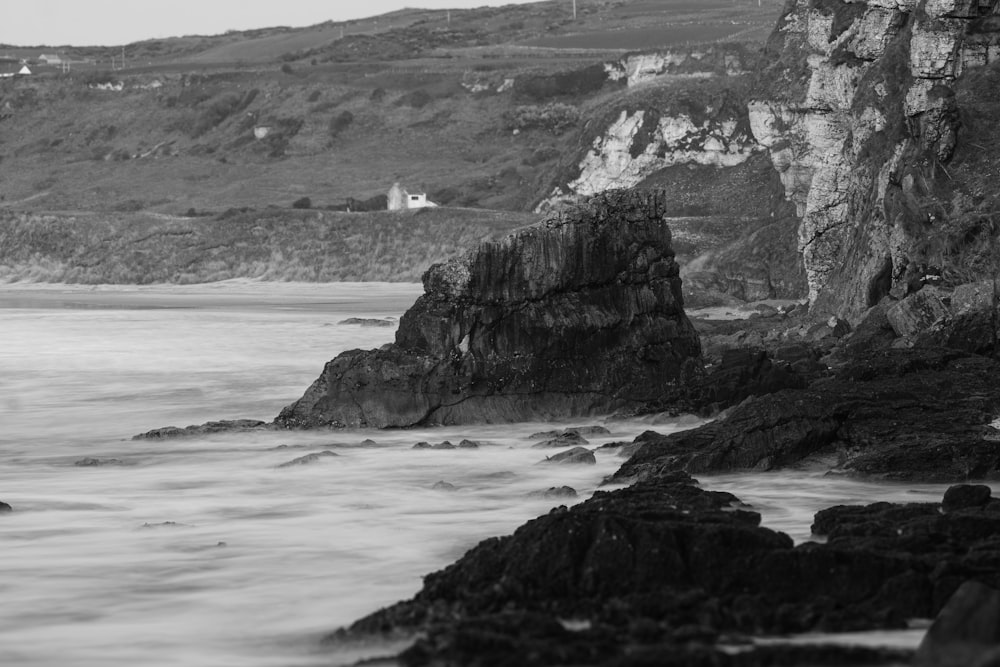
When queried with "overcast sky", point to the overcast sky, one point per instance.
{"points": [[113, 22]]}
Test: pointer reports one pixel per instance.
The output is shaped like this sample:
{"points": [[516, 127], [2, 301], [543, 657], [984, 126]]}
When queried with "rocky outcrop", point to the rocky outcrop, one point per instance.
{"points": [[712, 60], [665, 572], [579, 314], [637, 141], [919, 414], [642, 142], [863, 115]]}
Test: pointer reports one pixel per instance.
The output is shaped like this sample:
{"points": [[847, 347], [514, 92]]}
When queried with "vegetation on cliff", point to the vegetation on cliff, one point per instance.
{"points": [[275, 244]]}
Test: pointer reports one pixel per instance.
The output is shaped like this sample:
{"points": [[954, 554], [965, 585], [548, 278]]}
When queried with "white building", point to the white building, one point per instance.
{"points": [[50, 59], [400, 199]]}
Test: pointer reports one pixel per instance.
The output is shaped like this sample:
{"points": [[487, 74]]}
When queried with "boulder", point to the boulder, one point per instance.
{"points": [[967, 631], [308, 458], [588, 430], [4, 507], [555, 492], [91, 462], [575, 455], [965, 496], [564, 439], [917, 312], [576, 315], [741, 373], [224, 426], [444, 486], [368, 322]]}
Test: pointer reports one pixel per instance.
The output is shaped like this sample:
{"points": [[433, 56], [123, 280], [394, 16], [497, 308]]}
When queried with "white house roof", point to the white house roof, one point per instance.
{"points": [[24, 70]]}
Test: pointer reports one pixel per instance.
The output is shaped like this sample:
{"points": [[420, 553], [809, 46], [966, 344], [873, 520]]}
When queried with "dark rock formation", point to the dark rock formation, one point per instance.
{"points": [[308, 459], [368, 322], [202, 429], [91, 462], [440, 445], [966, 632], [664, 571], [564, 439], [555, 492], [918, 414], [742, 373], [573, 316], [444, 486], [575, 455], [4, 507]]}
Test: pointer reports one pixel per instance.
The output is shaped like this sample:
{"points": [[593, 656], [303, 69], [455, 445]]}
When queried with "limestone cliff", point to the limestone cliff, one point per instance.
{"points": [[701, 123], [579, 314], [880, 117]]}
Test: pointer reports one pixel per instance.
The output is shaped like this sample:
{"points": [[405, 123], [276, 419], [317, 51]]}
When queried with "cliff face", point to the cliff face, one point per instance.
{"points": [[576, 315], [870, 114]]}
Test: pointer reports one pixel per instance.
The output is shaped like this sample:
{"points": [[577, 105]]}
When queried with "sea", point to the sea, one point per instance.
{"points": [[208, 550]]}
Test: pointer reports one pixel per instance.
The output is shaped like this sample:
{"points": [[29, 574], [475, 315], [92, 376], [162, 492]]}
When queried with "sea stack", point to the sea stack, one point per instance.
{"points": [[579, 314]]}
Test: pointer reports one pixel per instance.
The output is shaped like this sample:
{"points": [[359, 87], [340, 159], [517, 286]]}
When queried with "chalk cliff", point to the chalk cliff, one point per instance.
{"points": [[879, 116], [581, 313]]}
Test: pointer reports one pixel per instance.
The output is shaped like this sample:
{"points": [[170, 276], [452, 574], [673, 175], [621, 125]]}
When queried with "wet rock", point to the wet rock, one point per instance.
{"points": [[965, 496], [588, 430], [793, 352], [502, 474], [966, 632], [873, 332], [575, 455], [742, 373], [919, 414], [581, 313], [4, 507], [233, 425], [444, 486], [441, 445], [368, 442], [917, 312], [163, 524], [470, 444], [545, 435], [665, 566], [368, 322], [564, 439], [90, 462], [308, 459], [555, 492]]}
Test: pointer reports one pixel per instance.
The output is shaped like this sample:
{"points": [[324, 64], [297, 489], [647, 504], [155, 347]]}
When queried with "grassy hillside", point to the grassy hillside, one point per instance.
{"points": [[280, 245], [404, 97], [487, 110]]}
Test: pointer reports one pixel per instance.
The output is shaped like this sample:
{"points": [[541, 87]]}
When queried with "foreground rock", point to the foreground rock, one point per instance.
{"points": [[966, 632], [573, 316], [919, 414], [224, 426], [664, 572], [308, 459], [4, 507]]}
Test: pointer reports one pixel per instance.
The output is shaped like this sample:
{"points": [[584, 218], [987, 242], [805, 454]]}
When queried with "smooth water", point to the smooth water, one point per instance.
{"points": [[203, 551]]}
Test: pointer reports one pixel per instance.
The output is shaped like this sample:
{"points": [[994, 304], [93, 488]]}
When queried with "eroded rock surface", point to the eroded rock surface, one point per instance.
{"points": [[864, 110], [665, 572], [918, 414], [577, 315]]}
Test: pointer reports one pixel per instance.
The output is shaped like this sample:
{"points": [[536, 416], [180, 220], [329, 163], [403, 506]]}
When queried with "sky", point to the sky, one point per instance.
{"points": [[115, 22]]}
